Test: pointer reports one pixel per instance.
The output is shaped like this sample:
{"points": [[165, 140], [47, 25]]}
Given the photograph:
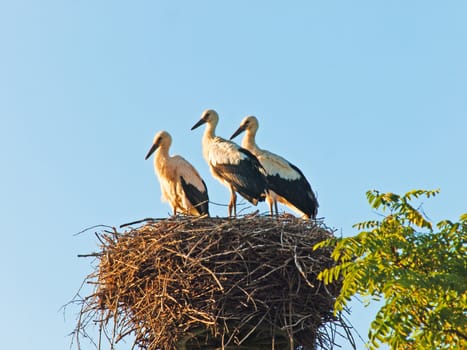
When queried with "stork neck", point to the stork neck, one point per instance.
{"points": [[161, 153], [210, 131], [208, 137], [249, 143]]}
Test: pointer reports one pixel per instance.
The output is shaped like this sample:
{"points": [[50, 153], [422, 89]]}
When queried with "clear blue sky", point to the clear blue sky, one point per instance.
{"points": [[358, 94]]}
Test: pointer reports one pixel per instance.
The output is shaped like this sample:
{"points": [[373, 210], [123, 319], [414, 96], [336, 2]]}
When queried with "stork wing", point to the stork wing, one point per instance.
{"points": [[240, 169], [193, 185], [198, 198], [227, 152], [276, 165], [288, 181]]}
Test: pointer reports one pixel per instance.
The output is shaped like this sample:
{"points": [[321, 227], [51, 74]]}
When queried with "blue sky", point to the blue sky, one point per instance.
{"points": [[359, 95]]}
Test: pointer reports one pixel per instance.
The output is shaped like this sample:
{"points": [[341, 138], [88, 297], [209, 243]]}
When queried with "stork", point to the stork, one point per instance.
{"points": [[231, 164], [286, 182], [181, 185]]}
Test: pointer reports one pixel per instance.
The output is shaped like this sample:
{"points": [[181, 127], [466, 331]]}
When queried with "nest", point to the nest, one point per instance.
{"points": [[213, 283]]}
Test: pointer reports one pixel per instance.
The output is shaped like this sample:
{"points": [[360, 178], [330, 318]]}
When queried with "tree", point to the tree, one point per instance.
{"points": [[418, 271]]}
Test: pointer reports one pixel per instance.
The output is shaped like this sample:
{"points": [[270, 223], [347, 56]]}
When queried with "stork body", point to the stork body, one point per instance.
{"points": [[286, 182], [181, 184], [234, 166]]}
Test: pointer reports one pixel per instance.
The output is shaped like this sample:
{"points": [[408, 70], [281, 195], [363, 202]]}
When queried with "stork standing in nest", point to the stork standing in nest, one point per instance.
{"points": [[234, 166], [181, 184], [286, 182]]}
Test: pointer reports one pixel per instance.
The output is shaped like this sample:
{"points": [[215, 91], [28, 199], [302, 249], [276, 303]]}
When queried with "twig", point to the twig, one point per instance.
{"points": [[138, 222], [91, 228], [89, 255], [248, 282]]}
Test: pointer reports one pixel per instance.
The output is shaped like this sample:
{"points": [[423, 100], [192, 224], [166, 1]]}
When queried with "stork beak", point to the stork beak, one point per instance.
{"points": [[199, 123], [152, 149], [238, 132]]}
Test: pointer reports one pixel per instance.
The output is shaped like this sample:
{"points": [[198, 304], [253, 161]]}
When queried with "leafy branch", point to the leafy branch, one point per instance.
{"points": [[419, 272]]}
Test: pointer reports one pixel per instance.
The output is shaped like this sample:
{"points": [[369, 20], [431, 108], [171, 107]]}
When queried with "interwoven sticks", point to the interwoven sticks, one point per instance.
{"points": [[213, 283]]}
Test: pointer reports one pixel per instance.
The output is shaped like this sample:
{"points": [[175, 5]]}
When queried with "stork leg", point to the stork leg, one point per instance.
{"points": [[272, 205], [233, 202], [271, 210]]}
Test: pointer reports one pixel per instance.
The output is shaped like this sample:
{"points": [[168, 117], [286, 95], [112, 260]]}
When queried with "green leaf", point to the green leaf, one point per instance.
{"points": [[419, 272]]}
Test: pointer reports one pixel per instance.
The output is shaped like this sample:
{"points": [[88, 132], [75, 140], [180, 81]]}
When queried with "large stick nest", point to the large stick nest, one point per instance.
{"points": [[213, 283]]}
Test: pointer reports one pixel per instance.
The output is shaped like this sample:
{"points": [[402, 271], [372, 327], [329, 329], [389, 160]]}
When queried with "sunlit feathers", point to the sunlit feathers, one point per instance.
{"points": [[181, 185], [286, 182], [232, 165]]}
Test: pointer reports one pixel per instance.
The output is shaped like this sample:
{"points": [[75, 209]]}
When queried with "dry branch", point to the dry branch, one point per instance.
{"points": [[213, 283]]}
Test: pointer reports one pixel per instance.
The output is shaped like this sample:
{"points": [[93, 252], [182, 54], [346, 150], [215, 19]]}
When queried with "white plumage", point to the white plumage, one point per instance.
{"points": [[231, 164], [181, 184], [286, 182]]}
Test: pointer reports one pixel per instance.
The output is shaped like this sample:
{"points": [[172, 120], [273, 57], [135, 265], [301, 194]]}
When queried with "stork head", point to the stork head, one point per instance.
{"points": [[161, 140], [250, 124], [209, 116]]}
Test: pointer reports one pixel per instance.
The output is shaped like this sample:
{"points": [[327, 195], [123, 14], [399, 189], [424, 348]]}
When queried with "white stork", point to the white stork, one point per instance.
{"points": [[181, 185], [231, 164], [286, 182]]}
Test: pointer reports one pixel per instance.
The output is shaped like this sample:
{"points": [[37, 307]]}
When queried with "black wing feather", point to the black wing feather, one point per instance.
{"points": [[245, 177], [198, 199], [298, 192]]}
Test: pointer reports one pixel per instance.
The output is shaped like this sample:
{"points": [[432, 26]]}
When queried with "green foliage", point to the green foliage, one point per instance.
{"points": [[416, 267]]}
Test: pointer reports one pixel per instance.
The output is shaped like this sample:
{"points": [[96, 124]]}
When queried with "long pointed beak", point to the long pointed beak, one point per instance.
{"points": [[152, 150], [238, 132], [199, 123]]}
